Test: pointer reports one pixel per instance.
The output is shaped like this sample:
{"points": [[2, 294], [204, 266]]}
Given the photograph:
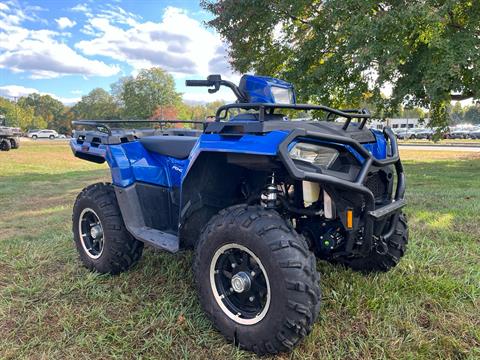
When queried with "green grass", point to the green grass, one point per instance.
{"points": [[51, 307], [470, 142]]}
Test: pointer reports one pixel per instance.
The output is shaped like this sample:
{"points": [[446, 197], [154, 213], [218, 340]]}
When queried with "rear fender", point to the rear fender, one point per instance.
{"points": [[89, 151], [131, 162]]}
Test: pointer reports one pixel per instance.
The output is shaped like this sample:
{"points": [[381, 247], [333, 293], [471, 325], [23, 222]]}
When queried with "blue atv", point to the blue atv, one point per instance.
{"points": [[258, 196]]}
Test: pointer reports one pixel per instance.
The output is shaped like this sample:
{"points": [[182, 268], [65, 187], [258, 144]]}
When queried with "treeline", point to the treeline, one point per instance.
{"points": [[149, 95], [466, 114]]}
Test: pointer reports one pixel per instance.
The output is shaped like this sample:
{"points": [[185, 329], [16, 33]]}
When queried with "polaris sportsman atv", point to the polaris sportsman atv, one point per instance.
{"points": [[258, 196]]}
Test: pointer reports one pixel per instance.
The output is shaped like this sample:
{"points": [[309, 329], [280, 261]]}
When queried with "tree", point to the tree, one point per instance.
{"points": [[46, 107], [343, 51], [457, 113], [140, 96], [165, 113], [472, 115], [97, 105], [17, 115], [199, 112]]}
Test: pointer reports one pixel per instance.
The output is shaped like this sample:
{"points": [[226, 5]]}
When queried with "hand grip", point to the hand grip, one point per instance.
{"points": [[199, 83]]}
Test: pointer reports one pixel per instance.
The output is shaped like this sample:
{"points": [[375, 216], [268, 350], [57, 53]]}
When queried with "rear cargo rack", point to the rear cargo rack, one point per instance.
{"points": [[104, 126], [348, 114]]}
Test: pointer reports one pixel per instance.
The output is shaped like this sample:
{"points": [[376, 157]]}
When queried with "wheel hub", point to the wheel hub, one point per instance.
{"points": [[91, 233], [241, 282], [96, 231]]}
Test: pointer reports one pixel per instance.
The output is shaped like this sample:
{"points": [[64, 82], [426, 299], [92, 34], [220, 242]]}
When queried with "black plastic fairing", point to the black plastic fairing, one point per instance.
{"points": [[260, 127], [357, 187]]}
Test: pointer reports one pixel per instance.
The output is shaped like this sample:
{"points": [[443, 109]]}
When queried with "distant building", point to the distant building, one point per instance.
{"points": [[398, 123]]}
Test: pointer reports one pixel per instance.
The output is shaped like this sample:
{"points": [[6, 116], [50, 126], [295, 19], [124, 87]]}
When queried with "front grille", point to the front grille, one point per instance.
{"points": [[378, 185]]}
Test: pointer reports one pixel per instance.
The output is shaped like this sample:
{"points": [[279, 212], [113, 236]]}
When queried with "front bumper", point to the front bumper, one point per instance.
{"points": [[373, 218]]}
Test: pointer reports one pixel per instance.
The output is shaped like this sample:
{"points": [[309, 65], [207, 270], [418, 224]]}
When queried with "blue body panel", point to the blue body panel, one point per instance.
{"points": [[131, 162], [259, 88]]}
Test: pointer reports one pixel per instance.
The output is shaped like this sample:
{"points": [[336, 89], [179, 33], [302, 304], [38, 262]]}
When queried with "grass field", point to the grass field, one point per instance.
{"points": [[52, 308], [468, 142]]}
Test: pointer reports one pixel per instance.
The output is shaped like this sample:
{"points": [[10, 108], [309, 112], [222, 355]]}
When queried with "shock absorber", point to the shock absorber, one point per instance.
{"points": [[270, 194]]}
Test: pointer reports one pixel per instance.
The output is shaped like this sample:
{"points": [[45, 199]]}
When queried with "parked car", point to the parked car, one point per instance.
{"points": [[405, 134], [460, 133], [475, 133], [43, 134], [425, 133]]}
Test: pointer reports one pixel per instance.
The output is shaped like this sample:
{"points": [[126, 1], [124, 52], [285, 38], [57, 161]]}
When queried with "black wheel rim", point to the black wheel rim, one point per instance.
{"points": [[91, 233], [240, 284]]}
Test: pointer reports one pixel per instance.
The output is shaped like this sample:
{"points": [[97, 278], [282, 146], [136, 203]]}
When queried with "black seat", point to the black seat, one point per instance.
{"points": [[175, 146]]}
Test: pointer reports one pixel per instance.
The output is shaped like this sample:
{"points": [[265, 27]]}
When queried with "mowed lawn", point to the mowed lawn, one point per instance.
{"points": [[53, 308]]}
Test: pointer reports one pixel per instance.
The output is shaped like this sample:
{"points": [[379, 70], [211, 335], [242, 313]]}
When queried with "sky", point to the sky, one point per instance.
{"points": [[67, 48]]}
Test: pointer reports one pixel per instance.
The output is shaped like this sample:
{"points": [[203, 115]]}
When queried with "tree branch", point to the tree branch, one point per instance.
{"points": [[459, 97]]}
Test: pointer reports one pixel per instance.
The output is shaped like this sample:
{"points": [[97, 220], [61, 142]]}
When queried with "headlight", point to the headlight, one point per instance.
{"points": [[321, 156], [282, 95]]}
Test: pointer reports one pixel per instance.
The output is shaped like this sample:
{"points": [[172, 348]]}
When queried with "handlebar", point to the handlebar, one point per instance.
{"points": [[216, 81], [199, 83]]}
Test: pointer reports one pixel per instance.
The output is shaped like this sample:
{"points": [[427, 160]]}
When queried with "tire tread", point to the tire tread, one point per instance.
{"points": [[301, 276], [124, 250]]}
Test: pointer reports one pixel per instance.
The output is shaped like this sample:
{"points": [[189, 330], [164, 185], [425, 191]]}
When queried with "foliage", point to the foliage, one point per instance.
{"points": [[198, 111], [98, 104], [141, 95], [468, 114], [150, 95], [472, 114], [344, 51], [47, 108], [165, 113], [19, 116], [457, 113]]}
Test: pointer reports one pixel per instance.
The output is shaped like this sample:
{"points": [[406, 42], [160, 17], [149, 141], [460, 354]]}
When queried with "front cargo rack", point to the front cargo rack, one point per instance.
{"points": [[363, 114]]}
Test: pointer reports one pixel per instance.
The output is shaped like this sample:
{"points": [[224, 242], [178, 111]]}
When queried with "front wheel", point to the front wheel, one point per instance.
{"points": [[51, 137], [102, 241], [256, 279]]}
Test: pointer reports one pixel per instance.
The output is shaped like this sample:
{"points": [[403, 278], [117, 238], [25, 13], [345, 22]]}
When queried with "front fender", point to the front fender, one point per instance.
{"points": [[254, 144]]}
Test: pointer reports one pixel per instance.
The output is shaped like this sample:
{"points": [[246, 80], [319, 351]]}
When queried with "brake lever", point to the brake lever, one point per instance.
{"points": [[214, 90]]}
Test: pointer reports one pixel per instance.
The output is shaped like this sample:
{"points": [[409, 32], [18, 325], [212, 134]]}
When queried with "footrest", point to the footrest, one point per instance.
{"points": [[155, 238], [382, 212]]}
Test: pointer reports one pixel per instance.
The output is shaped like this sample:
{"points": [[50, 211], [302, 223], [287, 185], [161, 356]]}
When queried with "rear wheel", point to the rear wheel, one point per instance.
{"points": [[385, 258], [102, 241], [257, 281], [15, 143], [5, 145]]}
